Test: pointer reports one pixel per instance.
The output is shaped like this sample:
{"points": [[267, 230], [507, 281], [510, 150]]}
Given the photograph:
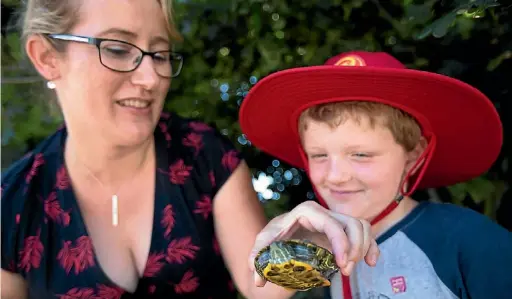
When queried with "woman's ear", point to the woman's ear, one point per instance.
{"points": [[416, 154], [43, 56]]}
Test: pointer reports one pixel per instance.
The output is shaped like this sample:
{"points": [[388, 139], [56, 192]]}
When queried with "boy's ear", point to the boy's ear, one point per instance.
{"points": [[414, 155]]}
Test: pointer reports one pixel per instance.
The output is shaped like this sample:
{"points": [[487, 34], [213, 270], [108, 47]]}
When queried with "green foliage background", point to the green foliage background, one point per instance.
{"points": [[229, 45]]}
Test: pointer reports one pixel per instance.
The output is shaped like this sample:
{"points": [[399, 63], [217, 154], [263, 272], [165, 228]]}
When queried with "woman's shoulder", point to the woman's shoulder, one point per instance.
{"points": [[24, 177], [23, 184], [198, 148], [196, 138], [187, 127]]}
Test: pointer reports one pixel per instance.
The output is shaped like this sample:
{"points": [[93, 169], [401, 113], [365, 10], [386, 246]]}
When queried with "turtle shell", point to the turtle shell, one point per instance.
{"points": [[296, 264]]}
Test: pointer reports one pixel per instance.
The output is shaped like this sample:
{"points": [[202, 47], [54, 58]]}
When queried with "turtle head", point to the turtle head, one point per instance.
{"points": [[281, 251]]}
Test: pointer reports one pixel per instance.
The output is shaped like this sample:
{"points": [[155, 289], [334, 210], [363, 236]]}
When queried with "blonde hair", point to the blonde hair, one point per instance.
{"points": [[52, 16], [404, 127]]}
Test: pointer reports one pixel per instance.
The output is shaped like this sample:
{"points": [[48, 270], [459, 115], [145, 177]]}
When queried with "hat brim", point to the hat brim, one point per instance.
{"points": [[465, 123]]}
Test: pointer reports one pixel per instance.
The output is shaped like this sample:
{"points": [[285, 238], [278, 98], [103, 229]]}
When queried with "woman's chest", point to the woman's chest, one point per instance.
{"points": [[168, 246]]}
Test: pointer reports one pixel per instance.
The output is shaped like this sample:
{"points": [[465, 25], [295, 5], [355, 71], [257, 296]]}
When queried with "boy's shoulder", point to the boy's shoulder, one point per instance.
{"points": [[446, 225], [458, 218]]}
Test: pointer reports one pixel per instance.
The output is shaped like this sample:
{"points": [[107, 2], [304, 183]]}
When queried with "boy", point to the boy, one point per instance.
{"points": [[368, 133]]}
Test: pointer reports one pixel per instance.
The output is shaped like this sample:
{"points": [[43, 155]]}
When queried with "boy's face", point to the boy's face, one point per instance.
{"points": [[356, 169]]}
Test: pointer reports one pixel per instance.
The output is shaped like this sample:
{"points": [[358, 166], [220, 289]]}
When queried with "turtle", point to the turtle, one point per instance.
{"points": [[296, 264]]}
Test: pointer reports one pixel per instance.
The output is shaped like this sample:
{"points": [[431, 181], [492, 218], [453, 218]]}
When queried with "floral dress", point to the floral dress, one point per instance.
{"points": [[44, 237]]}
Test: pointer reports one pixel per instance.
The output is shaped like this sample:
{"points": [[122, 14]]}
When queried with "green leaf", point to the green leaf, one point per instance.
{"points": [[494, 63], [418, 14]]}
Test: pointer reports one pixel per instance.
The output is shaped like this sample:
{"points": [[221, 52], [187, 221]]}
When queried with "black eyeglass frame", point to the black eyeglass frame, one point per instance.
{"points": [[97, 42]]}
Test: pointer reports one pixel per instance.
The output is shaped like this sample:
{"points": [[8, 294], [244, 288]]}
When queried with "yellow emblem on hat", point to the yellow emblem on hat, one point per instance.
{"points": [[351, 60]]}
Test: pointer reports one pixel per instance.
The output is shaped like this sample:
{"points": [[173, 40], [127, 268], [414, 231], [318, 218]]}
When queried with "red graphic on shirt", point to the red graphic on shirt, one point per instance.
{"points": [[216, 247], [151, 289], [38, 161], [204, 206], [106, 292], [80, 257], [178, 172], [181, 249], [398, 284], [199, 126], [32, 253], [79, 293], [62, 178], [211, 175], [165, 131], [230, 160], [188, 283], [194, 140], [154, 264], [167, 220], [53, 210]]}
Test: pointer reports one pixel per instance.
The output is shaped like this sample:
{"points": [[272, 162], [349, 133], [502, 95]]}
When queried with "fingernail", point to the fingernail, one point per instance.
{"points": [[374, 259], [349, 268]]}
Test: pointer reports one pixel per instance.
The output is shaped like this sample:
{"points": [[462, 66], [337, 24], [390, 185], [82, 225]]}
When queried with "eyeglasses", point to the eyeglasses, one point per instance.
{"points": [[124, 57]]}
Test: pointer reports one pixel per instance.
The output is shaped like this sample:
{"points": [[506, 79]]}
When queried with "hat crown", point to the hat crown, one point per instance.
{"points": [[364, 58]]}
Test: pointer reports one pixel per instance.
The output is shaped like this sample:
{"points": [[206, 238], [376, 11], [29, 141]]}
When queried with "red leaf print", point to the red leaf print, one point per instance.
{"points": [[54, 211], [194, 140], [152, 289], [66, 257], [32, 253], [165, 131], [165, 115], [38, 161], [188, 283], [212, 178], [230, 160], [204, 206], [181, 249], [78, 293], [80, 257], [106, 292], [199, 126], [18, 218], [154, 264], [216, 247], [62, 178], [84, 257], [167, 220], [179, 172]]}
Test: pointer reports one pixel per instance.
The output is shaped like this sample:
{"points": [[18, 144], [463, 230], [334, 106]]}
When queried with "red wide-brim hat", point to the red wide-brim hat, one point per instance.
{"points": [[462, 121]]}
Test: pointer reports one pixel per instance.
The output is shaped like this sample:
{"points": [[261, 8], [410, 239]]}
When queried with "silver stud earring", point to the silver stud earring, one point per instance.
{"points": [[50, 85]]}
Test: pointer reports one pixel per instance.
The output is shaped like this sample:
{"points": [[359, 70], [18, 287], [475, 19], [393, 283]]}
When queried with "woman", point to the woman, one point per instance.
{"points": [[126, 201], [369, 132]]}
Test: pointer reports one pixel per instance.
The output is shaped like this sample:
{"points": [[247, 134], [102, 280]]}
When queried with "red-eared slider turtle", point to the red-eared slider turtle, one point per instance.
{"points": [[296, 264]]}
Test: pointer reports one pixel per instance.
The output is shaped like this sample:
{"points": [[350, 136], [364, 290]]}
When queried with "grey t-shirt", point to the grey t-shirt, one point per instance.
{"points": [[437, 251]]}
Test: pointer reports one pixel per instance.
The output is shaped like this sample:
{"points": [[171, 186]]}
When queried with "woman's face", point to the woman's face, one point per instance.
{"points": [[122, 108]]}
